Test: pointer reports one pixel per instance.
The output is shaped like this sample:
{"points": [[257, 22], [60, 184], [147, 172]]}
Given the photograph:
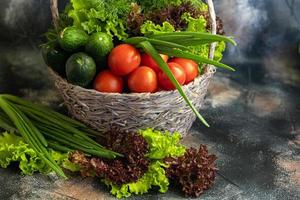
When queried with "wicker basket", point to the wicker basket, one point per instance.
{"points": [[165, 110]]}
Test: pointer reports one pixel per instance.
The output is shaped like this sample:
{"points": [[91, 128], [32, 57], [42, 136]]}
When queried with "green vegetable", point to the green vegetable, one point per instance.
{"points": [[109, 16], [80, 69], [31, 135], [149, 28], [13, 148], [192, 37], [195, 25], [191, 56], [55, 58], [62, 159], [163, 144], [64, 134], [155, 176], [71, 39], [99, 46]]}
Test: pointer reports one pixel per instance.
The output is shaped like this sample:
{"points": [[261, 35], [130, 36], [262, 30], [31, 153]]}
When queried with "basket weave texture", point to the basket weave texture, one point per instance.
{"points": [[165, 110]]}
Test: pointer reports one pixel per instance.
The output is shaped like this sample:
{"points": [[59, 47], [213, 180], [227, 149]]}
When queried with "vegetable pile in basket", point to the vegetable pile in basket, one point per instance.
{"points": [[133, 46], [42, 140]]}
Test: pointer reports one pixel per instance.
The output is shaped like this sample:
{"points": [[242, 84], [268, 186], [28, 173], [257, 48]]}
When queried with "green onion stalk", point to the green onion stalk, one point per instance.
{"points": [[43, 128]]}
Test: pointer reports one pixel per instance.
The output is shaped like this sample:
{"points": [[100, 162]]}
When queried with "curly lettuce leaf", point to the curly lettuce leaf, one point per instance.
{"points": [[155, 176], [163, 144], [14, 149], [149, 28], [108, 16], [62, 159], [194, 25]]}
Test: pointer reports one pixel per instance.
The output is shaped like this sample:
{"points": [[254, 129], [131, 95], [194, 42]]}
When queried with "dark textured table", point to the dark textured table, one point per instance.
{"points": [[254, 113]]}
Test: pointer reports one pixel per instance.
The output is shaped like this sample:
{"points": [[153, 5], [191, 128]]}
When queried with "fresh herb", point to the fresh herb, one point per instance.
{"points": [[30, 133], [42, 128]]}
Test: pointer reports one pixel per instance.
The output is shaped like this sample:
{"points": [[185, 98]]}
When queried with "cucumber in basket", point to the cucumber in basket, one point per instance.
{"points": [[72, 39], [98, 46], [55, 57], [80, 69]]}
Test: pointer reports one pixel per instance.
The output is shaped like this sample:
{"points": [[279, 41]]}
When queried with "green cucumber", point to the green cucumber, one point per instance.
{"points": [[71, 39], [98, 46], [55, 58], [80, 69]]}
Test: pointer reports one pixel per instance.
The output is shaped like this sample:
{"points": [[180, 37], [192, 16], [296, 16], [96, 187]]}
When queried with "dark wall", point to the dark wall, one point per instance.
{"points": [[25, 19], [261, 26]]}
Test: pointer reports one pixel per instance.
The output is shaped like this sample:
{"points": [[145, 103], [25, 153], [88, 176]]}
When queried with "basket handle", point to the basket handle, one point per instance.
{"points": [[55, 13], [212, 14]]}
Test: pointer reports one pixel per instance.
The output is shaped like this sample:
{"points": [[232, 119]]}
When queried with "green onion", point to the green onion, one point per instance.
{"points": [[136, 40], [193, 42], [202, 36], [44, 110], [25, 128], [187, 55], [41, 127], [5, 123], [167, 44], [58, 147]]}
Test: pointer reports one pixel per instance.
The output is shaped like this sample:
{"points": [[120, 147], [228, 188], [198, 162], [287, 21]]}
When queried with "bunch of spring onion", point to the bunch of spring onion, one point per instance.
{"points": [[43, 128], [177, 44]]}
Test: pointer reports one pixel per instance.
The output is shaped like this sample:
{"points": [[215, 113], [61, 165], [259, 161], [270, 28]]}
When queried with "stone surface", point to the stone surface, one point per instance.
{"points": [[254, 113]]}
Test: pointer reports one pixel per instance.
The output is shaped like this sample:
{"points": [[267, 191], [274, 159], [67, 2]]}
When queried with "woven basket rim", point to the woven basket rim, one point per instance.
{"points": [[159, 93]]}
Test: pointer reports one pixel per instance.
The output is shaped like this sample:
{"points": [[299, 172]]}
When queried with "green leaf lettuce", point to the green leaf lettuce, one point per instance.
{"points": [[14, 149], [101, 16], [163, 144]]}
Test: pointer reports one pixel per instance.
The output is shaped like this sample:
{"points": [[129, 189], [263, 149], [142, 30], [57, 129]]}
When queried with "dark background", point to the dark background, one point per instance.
{"points": [[254, 112]]}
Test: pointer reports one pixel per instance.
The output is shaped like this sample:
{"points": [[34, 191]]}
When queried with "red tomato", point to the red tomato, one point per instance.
{"points": [[143, 80], [147, 60], [190, 67], [108, 82], [178, 73], [123, 59]]}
